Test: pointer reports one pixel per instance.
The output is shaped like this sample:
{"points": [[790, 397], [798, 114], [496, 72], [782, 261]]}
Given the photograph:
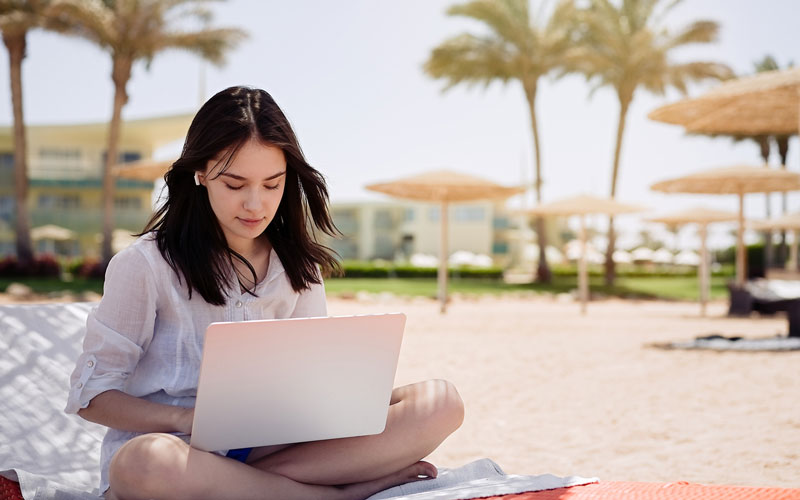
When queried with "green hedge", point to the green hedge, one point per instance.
{"points": [[361, 269], [633, 271], [357, 269]]}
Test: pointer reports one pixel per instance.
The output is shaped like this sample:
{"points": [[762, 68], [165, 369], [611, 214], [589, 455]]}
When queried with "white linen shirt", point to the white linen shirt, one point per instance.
{"points": [[145, 337]]}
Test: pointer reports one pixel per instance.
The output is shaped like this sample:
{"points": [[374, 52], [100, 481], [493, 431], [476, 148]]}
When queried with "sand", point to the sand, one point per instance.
{"points": [[547, 390]]}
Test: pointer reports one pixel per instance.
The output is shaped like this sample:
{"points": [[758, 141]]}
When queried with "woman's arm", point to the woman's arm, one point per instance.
{"points": [[128, 413]]}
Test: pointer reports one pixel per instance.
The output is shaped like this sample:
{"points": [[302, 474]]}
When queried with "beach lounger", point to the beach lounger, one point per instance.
{"points": [[767, 297], [48, 455]]}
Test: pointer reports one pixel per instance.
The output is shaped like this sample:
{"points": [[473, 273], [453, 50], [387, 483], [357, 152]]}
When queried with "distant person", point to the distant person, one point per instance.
{"points": [[233, 241]]}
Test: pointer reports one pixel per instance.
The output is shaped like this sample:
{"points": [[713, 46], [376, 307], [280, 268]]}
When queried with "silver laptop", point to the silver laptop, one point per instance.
{"points": [[293, 380]]}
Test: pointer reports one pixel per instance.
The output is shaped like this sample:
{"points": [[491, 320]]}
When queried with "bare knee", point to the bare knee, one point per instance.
{"points": [[451, 407], [439, 406], [148, 466]]}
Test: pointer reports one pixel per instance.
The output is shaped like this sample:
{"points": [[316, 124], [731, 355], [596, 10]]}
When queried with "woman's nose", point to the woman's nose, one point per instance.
{"points": [[253, 199]]}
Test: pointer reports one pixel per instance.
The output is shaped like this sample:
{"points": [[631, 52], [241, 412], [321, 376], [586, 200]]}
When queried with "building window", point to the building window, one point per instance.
{"points": [[433, 214], [409, 215], [56, 202], [123, 157], [6, 161], [499, 247], [468, 214], [60, 156], [346, 221], [383, 219], [501, 223], [128, 203], [7, 204]]}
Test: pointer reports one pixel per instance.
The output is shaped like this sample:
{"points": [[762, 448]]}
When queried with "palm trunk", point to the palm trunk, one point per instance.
{"points": [[610, 268], [15, 43], [783, 150], [769, 257], [121, 73], [543, 274]]}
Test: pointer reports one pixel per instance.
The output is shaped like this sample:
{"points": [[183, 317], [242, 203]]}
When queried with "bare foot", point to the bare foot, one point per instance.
{"points": [[419, 471]]}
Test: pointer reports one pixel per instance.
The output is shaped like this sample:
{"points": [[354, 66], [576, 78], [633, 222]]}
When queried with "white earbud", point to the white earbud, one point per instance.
{"points": [[196, 179]]}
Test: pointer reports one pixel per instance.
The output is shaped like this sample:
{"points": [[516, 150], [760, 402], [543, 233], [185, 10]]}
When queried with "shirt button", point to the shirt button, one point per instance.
{"points": [[238, 303], [90, 364], [80, 385]]}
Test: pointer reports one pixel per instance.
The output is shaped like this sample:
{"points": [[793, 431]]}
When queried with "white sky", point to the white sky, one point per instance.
{"points": [[349, 76]]}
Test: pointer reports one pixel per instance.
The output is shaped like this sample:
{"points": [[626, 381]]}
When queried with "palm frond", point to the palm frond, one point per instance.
{"points": [[509, 20], [697, 32], [90, 19], [471, 59], [212, 44]]}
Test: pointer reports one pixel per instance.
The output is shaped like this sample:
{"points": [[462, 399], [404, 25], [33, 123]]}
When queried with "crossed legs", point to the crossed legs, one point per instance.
{"points": [[420, 417]]}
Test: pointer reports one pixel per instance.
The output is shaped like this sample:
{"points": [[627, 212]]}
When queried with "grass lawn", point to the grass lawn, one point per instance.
{"points": [[674, 288]]}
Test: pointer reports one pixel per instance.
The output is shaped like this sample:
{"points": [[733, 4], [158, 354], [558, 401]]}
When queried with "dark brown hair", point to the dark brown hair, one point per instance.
{"points": [[187, 231]]}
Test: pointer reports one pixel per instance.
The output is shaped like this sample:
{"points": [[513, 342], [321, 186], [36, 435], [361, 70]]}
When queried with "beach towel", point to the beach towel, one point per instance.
{"points": [[722, 343], [48, 455]]}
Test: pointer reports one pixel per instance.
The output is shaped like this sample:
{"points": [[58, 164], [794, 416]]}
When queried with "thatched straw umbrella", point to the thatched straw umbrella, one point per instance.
{"points": [[143, 170], [701, 216], [764, 104], [733, 180], [444, 187], [584, 205]]}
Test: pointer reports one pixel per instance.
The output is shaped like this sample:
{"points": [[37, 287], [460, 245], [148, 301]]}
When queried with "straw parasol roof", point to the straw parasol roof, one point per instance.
{"points": [[702, 216], [732, 180], [143, 170], [695, 215], [584, 205], [52, 232], [444, 187], [788, 221], [738, 180], [764, 104]]}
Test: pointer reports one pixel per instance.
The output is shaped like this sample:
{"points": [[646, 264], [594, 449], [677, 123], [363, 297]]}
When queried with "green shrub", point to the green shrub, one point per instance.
{"points": [[361, 269]]}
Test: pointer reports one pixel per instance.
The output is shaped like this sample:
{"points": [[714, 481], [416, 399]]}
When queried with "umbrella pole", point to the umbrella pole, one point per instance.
{"points": [[704, 269], [443, 259], [583, 284], [740, 263]]}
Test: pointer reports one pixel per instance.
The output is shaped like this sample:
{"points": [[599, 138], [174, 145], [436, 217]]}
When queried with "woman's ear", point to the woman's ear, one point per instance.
{"points": [[197, 177]]}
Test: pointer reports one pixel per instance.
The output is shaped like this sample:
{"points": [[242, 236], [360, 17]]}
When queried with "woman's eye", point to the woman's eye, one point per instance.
{"points": [[276, 186], [233, 188]]}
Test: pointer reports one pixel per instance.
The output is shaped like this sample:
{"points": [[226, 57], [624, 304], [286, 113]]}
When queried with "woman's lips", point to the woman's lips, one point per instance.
{"points": [[250, 222]]}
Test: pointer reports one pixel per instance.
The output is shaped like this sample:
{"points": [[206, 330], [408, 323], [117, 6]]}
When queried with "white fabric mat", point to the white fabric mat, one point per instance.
{"points": [[482, 478], [55, 456]]}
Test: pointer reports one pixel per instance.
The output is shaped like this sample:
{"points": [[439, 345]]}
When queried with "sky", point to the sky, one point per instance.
{"points": [[349, 77]]}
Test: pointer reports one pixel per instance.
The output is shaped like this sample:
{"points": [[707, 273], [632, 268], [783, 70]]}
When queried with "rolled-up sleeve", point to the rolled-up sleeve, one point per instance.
{"points": [[311, 303], [118, 330]]}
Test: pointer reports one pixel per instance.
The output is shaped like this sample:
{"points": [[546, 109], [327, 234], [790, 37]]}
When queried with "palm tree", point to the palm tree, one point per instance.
{"points": [[16, 19], [518, 48], [624, 45], [130, 31]]}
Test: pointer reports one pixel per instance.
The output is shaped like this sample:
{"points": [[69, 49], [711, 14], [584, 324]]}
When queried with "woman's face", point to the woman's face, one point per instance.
{"points": [[246, 196]]}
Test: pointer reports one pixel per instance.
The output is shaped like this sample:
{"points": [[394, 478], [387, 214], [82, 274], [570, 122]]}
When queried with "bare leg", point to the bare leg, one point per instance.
{"points": [[161, 466], [421, 416]]}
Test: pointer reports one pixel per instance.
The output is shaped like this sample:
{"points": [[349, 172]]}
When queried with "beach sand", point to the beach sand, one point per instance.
{"points": [[547, 390]]}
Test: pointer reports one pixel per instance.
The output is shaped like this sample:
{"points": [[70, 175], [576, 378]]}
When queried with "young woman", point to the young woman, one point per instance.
{"points": [[233, 241]]}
